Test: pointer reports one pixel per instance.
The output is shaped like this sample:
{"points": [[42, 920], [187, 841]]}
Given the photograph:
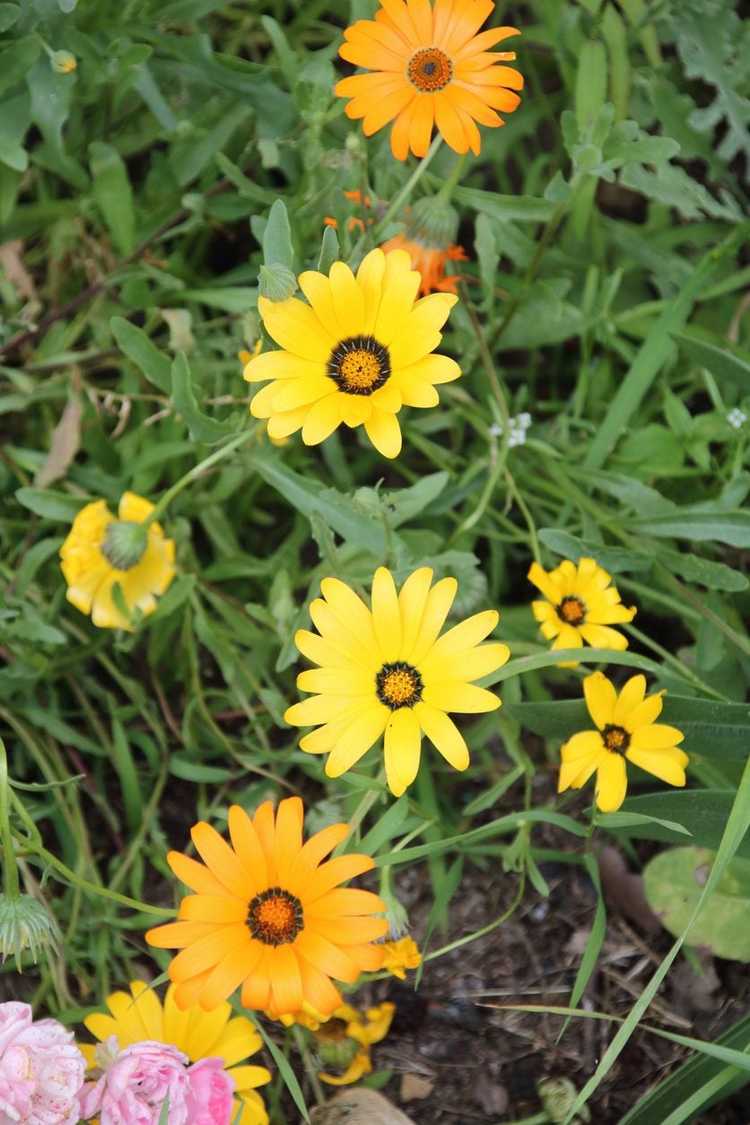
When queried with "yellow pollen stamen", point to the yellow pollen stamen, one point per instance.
{"points": [[360, 369], [572, 610], [429, 70], [275, 916], [359, 365], [398, 685], [615, 738]]}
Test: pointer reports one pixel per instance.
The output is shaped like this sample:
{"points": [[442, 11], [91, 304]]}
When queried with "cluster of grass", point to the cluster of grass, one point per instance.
{"points": [[603, 296]]}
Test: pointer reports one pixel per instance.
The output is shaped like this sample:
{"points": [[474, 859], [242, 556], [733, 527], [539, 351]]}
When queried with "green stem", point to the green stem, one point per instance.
{"points": [[446, 190], [103, 892], [548, 234], [308, 1064], [10, 869], [408, 187], [197, 471]]}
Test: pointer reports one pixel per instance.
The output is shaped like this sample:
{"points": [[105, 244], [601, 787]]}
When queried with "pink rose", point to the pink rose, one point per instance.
{"points": [[41, 1070], [133, 1088], [211, 1093]]}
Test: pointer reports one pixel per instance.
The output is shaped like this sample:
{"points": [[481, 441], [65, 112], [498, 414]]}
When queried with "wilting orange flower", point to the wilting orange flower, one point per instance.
{"points": [[431, 262], [432, 68], [269, 916]]}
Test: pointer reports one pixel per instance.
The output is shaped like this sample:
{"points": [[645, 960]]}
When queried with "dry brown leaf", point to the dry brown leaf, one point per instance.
{"points": [[415, 1087], [11, 263], [66, 441], [624, 891], [359, 1107]]}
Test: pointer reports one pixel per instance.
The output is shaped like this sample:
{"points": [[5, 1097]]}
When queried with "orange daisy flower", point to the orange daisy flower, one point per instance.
{"points": [[430, 261], [432, 68], [268, 915]]}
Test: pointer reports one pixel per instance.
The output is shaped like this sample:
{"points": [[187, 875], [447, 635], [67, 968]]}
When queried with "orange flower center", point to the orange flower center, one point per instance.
{"points": [[615, 738], [572, 610], [359, 365], [275, 916], [398, 685], [429, 70]]}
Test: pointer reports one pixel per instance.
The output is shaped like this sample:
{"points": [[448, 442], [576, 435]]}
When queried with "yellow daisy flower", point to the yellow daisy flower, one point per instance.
{"points": [[401, 955], [626, 728], [580, 605], [140, 1016], [102, 550], [388, 671], [344, 1038], [355, 354]]}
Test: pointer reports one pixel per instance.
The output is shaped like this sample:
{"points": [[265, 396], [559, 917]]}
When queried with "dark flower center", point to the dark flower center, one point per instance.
{"points": [[275, 916], [615, 738], [429, 70], [398, 685], [572, 610], [359, 365]]}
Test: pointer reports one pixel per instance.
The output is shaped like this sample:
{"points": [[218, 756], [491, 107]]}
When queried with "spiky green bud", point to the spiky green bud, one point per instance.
{"points": [[558, 1096], [277, 282], [125, 543], [433, 222], [25, 925]]}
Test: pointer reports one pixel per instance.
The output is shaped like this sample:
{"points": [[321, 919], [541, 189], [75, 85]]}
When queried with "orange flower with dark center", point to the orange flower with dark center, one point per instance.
{"points": [[431, 68], [269, 917]]}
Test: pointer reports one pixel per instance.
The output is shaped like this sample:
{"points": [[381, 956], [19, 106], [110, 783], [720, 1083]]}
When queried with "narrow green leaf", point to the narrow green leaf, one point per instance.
{"points": [[201, 427], [719, 361], [113, 194], [277, 238], [52, 505], [137, 346]]}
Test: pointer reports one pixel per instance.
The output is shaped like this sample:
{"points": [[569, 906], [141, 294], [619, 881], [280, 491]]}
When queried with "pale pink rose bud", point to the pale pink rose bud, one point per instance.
{"points": [[136, 1083], [211, 1093], [41, 1070]]}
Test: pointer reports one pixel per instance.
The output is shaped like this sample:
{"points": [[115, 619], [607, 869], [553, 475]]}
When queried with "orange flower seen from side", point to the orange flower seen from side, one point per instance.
{"points": [[269, 916], [431, 262], [431, 68]]}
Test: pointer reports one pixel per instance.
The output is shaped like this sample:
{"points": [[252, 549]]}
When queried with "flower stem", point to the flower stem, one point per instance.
{"points": [[10, 869], [408, 187], [446, 190], [196, 471]]}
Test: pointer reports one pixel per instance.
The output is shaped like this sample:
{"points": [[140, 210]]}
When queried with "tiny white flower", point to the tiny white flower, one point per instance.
{"points": [[496, 429], [736, 418], [517, 429]]}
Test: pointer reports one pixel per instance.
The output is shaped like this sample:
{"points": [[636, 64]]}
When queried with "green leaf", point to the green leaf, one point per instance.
{"points": [[591, 82], [673, 880], [286, 1072], [233, 299], [277, 238], [705, 524], [113, 194], [705, 572], [9, 13], [703, 812], [618, 560], [182, 766], [521, 208], [721, 362], [51, 96], [51, 505], [17, 60], [329, 250], [201, 427], [127, 772], [136, 345]]}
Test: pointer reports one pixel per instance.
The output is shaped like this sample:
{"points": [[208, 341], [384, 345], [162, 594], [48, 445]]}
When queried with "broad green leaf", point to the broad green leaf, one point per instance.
{"points": [[113, 194], [329, 250], [277, 238], [618, 560], [521, 208], [591, 82], [721, 362], [703, 812], [201, 427], [704, 524], [673, 880], [51, 505], [137, 346]]}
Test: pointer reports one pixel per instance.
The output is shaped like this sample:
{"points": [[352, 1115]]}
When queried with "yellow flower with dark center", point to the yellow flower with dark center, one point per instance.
{"points": [[344, 1038], [102, 550], [581, 605], [358, 352], [387, 671], [268, 916], [432, 68], [401, 955], [626, 729], [139, 1015]]}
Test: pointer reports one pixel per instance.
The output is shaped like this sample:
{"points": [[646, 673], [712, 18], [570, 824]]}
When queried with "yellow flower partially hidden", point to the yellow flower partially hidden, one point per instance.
{"points": [[401, 955], [102, 550], [581, 605], [387, 671], [354, 355], [345, 1037], [626, 728], [432, 67], [140, 1016]]}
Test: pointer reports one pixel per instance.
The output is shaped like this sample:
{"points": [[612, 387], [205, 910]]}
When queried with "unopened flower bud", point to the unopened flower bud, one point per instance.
{"points": [[125, 543], [25, 925], [433, 222], [63, 62]]}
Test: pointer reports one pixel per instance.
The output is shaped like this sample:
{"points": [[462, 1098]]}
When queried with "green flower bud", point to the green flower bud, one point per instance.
{"points": [[277, 282], [63, 62], [558, 1096], [333, 1049], [25, 925], [433, 222], [124, 544]]}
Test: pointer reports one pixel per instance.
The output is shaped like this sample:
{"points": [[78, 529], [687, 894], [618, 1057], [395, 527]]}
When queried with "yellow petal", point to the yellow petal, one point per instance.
{"points": [[384, 432], [443, 734], [317, 289], [600, 698], [370, 277], [281, 365], [317, 709], [283, 425], [667, 764], [420, 333], [295, 327], [464, 636], [357, 739], [658, 736], [648, 712], [386, 616], [611, 783], [403, 738], [400, 286], [544, 582], [465, 698], [437, 607], [600, 636], [412, 600], [322, 419], [585, 744], [348, 300], [630, 697], [349, 608], [134, 508]]}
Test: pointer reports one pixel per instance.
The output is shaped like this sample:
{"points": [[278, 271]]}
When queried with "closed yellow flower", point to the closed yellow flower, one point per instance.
{"points": [[139, 1015], [355, 354], [581, 605], [398, 956], [344, 1038], [102, 550], [386, 672], [626, 730]]}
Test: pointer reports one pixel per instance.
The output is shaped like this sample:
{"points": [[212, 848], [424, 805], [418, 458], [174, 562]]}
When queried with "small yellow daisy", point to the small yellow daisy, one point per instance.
{"points": [[354, 354], [387, 672], [626, 728], [102, 550], [139, 1015], [581, 605]]}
